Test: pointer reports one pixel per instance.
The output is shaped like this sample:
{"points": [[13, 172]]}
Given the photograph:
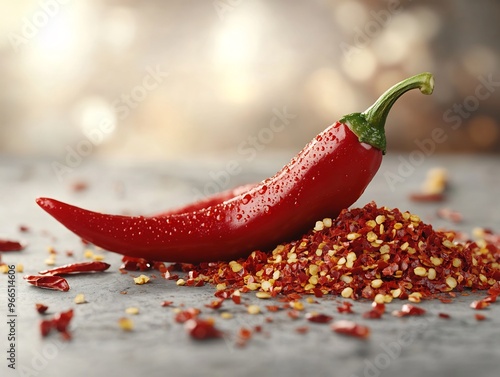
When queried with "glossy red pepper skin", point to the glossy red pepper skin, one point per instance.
{"points": [[328, 175]]}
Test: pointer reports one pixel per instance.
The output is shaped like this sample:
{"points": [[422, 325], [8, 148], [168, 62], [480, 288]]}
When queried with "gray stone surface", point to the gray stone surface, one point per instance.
{"points": [[428, 345]]}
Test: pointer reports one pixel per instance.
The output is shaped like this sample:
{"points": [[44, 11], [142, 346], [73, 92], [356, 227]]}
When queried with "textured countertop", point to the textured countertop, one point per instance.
{"points": [[416, 346]]}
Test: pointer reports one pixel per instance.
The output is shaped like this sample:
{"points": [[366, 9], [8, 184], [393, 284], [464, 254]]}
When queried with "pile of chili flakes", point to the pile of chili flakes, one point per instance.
{"points": [[372, 252]]}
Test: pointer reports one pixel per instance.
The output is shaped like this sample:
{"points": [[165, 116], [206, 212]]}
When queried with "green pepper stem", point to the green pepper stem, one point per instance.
{"points": [[369, 125]]}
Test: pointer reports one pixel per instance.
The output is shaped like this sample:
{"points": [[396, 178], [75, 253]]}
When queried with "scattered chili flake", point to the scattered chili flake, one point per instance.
{"points": [[409, 310], [345, 307], [10, 245], [77, 268], [490, 299], [215, 304], [427, 197], [186, 315], [445, 300], [302, 329], [41, 308], [378, 309], [54, 282], [78, 186], [201, 329], [450, 215], [444, 315], [479, 304], [19, 267], [293, 314], [59, 322], [244, 333], [351, 328], [273, 308], [318, 318], [166, 303], [24, 228], [236, 298], [480, 317]]}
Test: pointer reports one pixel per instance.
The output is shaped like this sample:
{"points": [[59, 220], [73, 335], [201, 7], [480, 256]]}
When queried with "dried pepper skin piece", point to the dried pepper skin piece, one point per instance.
{"points": [[59, 322], [57, 283], [328, 175], [351, 328], [202, 329], [10, 245], [76, 268]]}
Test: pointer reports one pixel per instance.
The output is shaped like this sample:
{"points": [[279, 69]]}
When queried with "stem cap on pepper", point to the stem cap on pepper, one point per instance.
{"points": [[369, 125]]}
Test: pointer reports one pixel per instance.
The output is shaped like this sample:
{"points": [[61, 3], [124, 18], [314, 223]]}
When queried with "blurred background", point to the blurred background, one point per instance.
{"points": [[184, 79]]}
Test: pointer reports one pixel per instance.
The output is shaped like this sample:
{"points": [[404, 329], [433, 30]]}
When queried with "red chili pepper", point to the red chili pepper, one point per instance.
{"points": [[328, 175], [77, 268], [9, 245], [54, 282]]}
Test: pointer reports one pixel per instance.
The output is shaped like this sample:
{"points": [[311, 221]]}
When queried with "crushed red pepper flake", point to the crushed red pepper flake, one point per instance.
{"points": [[345, 307], [41, 308], [202, 329], [24, 228], [479, 304], [351, 328], [480, 317], [319, 318], [450, 215], [59, 322], [185, 315], [53, 282], [302, 329], [409, 310], [367, 252], [11, 245], [444, 315], [215, 304], [378, 309]]}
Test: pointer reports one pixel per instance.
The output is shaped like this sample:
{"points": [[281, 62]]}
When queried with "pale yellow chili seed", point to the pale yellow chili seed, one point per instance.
{"points": [[347, 292]]}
